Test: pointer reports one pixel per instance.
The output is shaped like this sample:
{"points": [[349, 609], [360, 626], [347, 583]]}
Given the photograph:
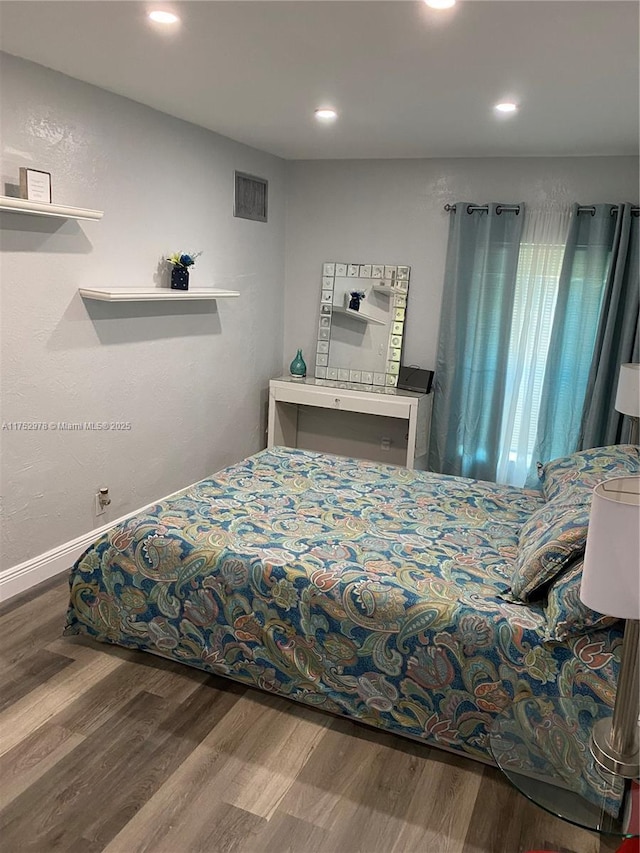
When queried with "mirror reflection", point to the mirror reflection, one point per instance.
{"points": [[362, 320]]}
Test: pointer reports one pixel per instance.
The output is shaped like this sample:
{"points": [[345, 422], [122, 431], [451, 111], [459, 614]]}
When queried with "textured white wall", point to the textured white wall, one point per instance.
{"points": [[190, 378], [391, 211]]}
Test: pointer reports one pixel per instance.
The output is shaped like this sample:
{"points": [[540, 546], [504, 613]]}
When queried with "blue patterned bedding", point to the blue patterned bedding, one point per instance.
{"points": [[361, 589]]}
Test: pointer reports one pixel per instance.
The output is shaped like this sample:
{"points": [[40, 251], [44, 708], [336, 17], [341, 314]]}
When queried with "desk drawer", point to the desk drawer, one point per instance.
{"points": [[344, 400]]}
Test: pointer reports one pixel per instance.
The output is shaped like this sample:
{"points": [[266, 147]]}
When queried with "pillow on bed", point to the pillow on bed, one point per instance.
{"points": [[552, 538], [583, 471], [566, 614]]}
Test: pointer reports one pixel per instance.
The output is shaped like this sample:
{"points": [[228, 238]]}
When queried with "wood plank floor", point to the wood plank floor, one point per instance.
{"points": [[103, 749]]}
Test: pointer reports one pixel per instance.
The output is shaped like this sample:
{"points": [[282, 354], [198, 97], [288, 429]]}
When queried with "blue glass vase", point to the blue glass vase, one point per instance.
{"points": [[298, 368]]}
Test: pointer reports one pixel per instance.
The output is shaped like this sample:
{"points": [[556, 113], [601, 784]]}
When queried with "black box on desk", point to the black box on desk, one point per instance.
{"points": [[415, 379]]}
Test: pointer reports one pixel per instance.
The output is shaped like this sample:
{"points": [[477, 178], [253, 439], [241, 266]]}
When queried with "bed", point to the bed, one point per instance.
{"points": [[402, 599]]}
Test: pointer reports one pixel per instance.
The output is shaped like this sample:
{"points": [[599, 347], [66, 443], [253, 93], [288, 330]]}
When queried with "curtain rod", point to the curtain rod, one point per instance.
{"points": [[635, 211], [451, 208]]}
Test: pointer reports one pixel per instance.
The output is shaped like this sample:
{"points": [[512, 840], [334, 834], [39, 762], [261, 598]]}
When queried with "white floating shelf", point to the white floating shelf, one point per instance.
{"points": [[38, 208], [386, 287], [154, 294], [358, 315]]}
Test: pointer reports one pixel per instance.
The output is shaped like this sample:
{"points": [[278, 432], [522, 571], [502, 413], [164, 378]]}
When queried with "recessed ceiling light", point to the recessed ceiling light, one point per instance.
{"points": [[506, 107], [440, 4], [326, 114], [161, 17]]}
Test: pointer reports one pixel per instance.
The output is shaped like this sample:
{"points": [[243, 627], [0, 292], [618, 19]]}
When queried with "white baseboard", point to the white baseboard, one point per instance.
{"points": [[25, 575]]}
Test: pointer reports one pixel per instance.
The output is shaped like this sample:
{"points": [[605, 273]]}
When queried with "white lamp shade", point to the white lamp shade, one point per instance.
{"points": [[628, 395], [611, 573]]}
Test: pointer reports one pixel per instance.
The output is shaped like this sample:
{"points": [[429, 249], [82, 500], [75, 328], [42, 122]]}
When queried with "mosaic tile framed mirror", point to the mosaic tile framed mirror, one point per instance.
{"points": [[362, 321]]}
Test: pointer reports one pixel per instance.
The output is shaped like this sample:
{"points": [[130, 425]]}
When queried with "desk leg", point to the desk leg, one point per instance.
{"points": [[411, 437], [283, 424], [271, 421]]}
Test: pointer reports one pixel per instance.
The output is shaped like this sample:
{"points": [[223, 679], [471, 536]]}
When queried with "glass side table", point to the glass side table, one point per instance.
{"points": [[542, 746]]}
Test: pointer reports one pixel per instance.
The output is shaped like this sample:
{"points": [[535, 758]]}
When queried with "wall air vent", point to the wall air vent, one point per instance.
{"points": [[250, 198]]}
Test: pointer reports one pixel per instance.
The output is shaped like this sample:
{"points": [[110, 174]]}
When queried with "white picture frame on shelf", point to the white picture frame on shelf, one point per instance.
{"points": [[35, 185]]}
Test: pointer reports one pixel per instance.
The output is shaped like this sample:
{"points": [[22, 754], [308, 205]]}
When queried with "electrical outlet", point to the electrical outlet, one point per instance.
{"points": [[102, 500], [100, 510], [385, 444]]}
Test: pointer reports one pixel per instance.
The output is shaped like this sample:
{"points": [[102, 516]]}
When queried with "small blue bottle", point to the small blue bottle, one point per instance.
{"points": [[298, 368]]}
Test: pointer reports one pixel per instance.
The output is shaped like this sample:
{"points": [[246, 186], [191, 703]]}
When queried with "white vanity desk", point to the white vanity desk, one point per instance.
{"points": [[287, 396]]}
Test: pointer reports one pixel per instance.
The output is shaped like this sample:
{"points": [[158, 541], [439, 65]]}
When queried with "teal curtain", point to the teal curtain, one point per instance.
{"points": [[617, 339], [575, 325], [473, 344]]}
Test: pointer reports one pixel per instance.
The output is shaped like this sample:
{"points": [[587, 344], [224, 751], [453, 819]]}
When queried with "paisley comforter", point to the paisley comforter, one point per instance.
{"points": [[361, 589]]}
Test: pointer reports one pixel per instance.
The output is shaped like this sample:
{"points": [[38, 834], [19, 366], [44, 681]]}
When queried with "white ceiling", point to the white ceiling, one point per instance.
{"points": [[406, 80]]}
